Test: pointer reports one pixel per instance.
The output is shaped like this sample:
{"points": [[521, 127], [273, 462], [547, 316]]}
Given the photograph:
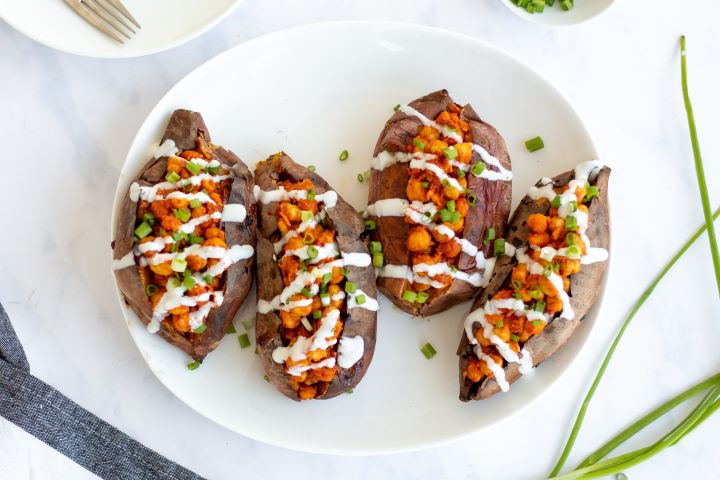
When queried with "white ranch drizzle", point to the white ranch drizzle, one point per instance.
{"points": [[150, 193], [233, 212], [166, 149], [545, 190], [351, 350], [307, 279], [127, 261]]}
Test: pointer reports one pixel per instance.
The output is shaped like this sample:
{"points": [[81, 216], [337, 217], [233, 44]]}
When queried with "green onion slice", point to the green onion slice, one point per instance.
{"points": [[193, 365], [477, 169], [378, 259], [428, 350], [178, 264], [151, 290], [172, 177], [312, 252], [194, 168], [534, 144], [344, 155], [370, 225], [200, 329], [499, 247], [409, 296], [244, 340], [143, 230], [350, 287]]}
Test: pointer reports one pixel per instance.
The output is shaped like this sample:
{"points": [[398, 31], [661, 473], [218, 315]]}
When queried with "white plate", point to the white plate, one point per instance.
{"points": [[165, 24], [583, 11], [314, 91]]}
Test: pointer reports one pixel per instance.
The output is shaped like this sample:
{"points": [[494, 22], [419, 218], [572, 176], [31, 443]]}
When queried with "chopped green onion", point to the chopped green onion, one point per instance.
{"points": [[350, 287], [194, 239], [244, 340], [317, 314], [182, 213], [231, 329], [517, 295], [308, 238], [534, 144], [547, 270], [566, 4], [345, 272], [450, 153], [172, 177], [499, 324], [556, 267], [200, 329], [344, 155], [419, 143], [162, 232], [538, 323], [266, 378], [514, 337], [572, 206], [143, 230], [249, 323], [461, 173], [310, 195], [214, 170], [151, 290], [208, 279], [445, 183], [571, 223], [477, 169], [397, 107], [306, 215], [375, 247], [425, 184], [450, 205], [326, 278], [445, 215], [177, 236], [517, 284], [471, 199], [571, 238], [193, 365], [556, 202], [592, 192], [490, 234], [370, 225], [455, 217], [535, 292], [378, 259], [499, 247], [360, 299], [149, 218], [409, 296], [174, 248], [178, 264], [188, 280], [621, 476], [349, 391], [428, 350], [312, 252], [311, 168], [306, 292], [539, 307], [453, 269], [572, 250], [194, 167]]}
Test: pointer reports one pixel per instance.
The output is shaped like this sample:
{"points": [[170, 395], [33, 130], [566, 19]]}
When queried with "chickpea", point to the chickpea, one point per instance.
{"points": [[307, 392], [283, 226], [310, 205], [300, 311], [179, 202], [215, 242], [419, 240], [291, 212], [324, 236], [332, 290], [294, 243], [198, 211], [415, 190], [170, 223], [289, 320], [208, 185], [538, 223], [457, 226], [428, 133], [480, 337], [569, 267], [538, 239], [317, 355], [155, 299], [179, 310], [553, 305], [181, 322], [462, 206], [164, 269], [190, 154], [519, 273], [450, 249], [451, 193], [436, 147], [216, 198], [502, 332], [195, 263], [420, 287], [546, 286], [337, 275], [214, 232], [464, 152], [175, 165], [160, 208]]}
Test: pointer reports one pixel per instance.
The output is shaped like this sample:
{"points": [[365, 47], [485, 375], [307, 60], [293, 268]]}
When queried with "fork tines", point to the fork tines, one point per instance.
{"points": [[109, 16]]}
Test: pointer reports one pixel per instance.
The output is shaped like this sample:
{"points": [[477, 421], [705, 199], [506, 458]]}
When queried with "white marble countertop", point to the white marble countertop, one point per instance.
{"points": [[67, 123]]}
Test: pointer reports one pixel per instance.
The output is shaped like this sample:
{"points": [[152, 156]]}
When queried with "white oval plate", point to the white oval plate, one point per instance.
{"points": [[165, 24], [313, 92], [583, 11]]}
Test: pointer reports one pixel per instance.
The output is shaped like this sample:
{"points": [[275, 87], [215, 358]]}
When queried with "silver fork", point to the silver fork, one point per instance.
{"points": [[109, 16]]}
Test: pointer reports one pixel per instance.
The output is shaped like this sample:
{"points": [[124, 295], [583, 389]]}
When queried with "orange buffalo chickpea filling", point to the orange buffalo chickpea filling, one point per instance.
{"points": [[536, 291], [165, 217], [305, 320], [427, 245]]}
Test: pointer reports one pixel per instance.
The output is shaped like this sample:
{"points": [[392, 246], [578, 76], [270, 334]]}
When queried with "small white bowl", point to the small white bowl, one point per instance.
{"points": [[554, 16]]}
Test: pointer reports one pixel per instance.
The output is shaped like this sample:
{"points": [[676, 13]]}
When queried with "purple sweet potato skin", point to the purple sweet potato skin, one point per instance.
{"points": [[188, 130], [492, 209], [349, 227], [584, 285]]}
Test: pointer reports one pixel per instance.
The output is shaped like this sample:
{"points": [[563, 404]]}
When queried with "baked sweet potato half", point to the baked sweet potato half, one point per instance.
{"points": [[315, 285], [184, 243], [440, 185], [542, 288]]}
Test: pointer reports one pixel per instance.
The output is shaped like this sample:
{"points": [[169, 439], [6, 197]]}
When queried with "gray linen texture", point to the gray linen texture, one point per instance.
{"points": [[42, 411]]}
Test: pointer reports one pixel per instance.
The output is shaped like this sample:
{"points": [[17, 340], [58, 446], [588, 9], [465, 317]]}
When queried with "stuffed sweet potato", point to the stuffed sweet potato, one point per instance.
{"points": [[556, 254], [315, 285], [440, 187], [184, 243]]}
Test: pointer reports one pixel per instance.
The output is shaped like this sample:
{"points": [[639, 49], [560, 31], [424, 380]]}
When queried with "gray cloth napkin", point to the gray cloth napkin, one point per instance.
{"points": [[42, 411]]}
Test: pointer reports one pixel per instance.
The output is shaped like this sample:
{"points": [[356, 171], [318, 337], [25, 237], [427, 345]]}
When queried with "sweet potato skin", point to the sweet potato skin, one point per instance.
{"points": [[349, 227], [584, 285], [184, 128], [494, 199]]}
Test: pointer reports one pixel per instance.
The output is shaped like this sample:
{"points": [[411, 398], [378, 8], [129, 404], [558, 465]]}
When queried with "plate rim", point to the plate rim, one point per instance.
{"points": [[597, 308], [180, 41]]}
